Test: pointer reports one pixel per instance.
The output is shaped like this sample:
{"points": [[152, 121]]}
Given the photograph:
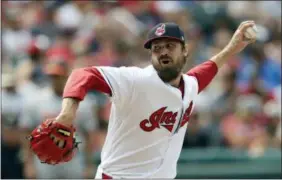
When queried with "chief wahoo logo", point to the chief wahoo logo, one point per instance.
{"points": [[160, 30]]}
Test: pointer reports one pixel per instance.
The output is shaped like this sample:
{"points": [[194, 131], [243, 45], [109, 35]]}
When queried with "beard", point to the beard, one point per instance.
{"points": [[170, 73]]}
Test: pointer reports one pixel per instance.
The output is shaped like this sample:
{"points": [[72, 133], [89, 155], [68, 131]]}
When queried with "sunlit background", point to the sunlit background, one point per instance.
{"points": [[235, 129]]}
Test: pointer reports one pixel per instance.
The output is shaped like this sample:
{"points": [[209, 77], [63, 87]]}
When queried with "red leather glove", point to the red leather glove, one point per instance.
{"points": [[53, 143]]}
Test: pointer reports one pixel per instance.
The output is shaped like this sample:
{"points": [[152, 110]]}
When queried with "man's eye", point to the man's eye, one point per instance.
{"points": [[170, 46], [156, 48]]}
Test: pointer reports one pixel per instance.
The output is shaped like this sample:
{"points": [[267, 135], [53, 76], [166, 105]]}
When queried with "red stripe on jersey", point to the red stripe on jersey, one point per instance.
{"points": [[204, 73], [104, 176], [84, 79]]}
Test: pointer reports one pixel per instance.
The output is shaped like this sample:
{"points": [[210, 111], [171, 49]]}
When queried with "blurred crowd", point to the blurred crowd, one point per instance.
{"points": [[42, 41]]}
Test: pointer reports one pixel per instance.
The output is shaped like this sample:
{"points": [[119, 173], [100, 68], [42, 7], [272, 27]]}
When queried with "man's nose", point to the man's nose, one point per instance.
{"points": [[164, 51]]}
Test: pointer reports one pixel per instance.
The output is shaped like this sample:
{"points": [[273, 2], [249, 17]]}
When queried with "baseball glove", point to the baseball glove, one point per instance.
{"points": [[53, 143]]}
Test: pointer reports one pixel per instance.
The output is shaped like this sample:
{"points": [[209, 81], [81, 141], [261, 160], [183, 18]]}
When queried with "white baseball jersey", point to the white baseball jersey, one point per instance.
{"points": [[147, 123]]}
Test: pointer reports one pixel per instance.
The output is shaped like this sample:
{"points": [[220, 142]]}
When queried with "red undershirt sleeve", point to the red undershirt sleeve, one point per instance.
{"points": [[83, 80], [204, 73]]}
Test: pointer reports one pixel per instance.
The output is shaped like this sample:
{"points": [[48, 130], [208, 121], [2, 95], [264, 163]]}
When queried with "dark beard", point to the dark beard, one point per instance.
{"points": [[168, 74]]}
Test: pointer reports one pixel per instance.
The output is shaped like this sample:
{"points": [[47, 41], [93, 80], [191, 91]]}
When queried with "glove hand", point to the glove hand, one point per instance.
{"points": [[53, 143]]}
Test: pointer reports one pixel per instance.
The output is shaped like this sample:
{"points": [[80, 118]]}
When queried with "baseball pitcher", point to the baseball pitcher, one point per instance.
{"points": [[150, 107]]}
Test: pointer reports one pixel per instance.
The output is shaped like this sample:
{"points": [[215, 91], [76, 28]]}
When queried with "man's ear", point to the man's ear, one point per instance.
{"points": [[149, 52], [185, 50]]}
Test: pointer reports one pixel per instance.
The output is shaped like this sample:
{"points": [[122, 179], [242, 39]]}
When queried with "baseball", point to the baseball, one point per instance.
{"points": [[251, 32]]}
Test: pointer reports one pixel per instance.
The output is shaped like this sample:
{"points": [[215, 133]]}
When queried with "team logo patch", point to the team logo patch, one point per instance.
{"points": [[167, 119], [160, 30]]}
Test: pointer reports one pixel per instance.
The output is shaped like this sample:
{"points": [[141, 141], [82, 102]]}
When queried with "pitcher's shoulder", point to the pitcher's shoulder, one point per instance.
{"points": [[140, 72], [148, 70]]}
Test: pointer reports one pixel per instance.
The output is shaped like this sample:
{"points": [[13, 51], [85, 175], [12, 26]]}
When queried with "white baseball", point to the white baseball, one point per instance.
{"points": [[251, 32]]}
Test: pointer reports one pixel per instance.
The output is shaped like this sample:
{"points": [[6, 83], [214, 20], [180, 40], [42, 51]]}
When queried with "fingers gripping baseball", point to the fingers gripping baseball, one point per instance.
{"points": [[245, 24], [243, 30], [53, 143], [244, 35]]}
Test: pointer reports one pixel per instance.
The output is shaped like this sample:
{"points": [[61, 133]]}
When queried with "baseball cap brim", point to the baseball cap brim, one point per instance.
{"points": [[148, 43]]}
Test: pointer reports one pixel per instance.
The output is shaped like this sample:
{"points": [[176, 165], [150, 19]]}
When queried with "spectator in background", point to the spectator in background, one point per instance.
{"points": [[225, 103], [258, 66], [277, 94], [122, 54], [29, 71], [46, 105], [14, 36], [12, 105], [61, 48], [47, 25], [241, 130], [272, 110], [196, 136], [144, 11], [277, 139], [222, 106]]}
